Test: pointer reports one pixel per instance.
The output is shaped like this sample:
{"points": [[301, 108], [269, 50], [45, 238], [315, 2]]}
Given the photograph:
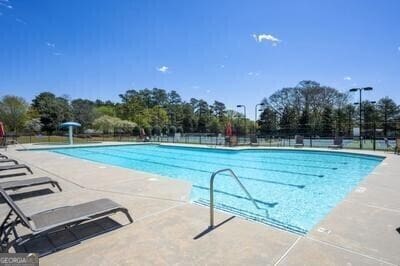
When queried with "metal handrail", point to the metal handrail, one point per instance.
{"points": [[212, 192]]}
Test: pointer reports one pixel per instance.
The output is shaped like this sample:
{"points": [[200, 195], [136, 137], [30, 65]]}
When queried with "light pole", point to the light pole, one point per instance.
{"points": [[255, 116], [360, 103], [374, 126], [244, 107]]}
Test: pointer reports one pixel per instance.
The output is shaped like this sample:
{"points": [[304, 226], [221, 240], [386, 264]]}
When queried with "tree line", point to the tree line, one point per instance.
{"points": [[313, 109], [308, 108]]}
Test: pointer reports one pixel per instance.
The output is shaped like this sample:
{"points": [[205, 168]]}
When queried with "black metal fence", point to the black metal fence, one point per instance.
{"points": [[375, 136]]}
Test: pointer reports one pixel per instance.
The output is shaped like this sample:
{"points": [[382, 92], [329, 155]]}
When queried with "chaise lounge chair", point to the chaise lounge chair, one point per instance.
{"points": [[48, 221], [8, 161], [337, 143], [3, 156], [254, 140], [14, 167], [299, 141], [31, 182]]}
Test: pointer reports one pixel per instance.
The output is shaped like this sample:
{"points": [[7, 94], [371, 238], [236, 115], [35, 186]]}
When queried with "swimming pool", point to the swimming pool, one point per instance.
{"points": [[294, 189]]}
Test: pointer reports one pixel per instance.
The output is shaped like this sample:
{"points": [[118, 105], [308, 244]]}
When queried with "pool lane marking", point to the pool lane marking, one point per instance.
{"points": [[230, 165], [271, 157], [230, 159], [195, 169], [172, 165], [200, 170], [97, 189], [269, 204]]}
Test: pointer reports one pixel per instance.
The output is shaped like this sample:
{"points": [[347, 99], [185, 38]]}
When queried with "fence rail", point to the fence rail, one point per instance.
{"points": [[370, 143]]}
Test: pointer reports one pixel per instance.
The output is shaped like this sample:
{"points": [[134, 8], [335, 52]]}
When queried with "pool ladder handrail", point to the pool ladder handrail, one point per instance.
{"points": [[212, 192]]}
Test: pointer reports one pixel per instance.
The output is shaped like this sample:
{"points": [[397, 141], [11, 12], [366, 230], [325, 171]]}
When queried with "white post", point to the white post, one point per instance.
{"points": [[71, 136]]}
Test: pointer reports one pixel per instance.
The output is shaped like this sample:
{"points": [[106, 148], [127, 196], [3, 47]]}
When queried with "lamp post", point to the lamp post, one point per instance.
{"points": [[360, 103], [255, 115], [374, 127], [244, 108]]}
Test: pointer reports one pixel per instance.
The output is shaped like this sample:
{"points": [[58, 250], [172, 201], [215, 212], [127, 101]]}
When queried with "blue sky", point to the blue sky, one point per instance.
{"points": [[232, 51]]}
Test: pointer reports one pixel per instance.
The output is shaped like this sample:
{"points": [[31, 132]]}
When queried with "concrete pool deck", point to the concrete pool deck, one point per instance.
{"points": [[361, 230]]}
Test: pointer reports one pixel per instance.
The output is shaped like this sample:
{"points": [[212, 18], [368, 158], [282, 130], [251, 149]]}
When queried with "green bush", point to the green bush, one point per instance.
{"points": [[165, 130], [136, 131], [156, 131], [172, 130]]}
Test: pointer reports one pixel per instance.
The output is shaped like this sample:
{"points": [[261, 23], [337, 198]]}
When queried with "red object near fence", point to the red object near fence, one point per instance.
{"points": [[2, 131], [228, 130]]}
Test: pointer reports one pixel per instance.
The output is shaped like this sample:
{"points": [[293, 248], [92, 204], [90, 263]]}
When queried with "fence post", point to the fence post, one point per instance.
{"points": [[374, 143]]}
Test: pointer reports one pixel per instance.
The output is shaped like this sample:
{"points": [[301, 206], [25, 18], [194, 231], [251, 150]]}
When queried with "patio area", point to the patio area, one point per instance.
{"points": [[168, 229]]}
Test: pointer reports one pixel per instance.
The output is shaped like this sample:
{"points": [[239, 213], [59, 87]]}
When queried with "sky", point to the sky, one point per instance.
{"points": [[233, 51]]}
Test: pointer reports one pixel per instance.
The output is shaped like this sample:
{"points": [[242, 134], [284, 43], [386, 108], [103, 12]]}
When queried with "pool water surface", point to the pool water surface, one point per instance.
{"points": [[294, 189]]}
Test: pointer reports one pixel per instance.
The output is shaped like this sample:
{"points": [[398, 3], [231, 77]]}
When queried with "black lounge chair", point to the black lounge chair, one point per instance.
{"points": [[8, 161], [31, 182], [337, 143], [53, 220], [3, 156], [299, 141], [14, 167], [254, 140]]}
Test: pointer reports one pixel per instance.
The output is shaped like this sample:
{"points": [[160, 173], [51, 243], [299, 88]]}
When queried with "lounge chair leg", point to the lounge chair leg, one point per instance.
{"points": [[57, 185], [29, 169], [126, 212]]}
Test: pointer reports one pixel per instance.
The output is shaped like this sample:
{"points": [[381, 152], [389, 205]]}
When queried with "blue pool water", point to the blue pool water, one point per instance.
{"points": [[294, 189]]}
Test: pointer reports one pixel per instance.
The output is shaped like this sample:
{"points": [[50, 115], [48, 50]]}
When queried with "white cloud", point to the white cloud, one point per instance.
{"points": [[57, 54], [266, 37], [196, 87], [398, 48], [222, 66], [52, 45], [163, 69], [208, 91], [20, 21], [347, 78], [253, 73], [5, 4]]}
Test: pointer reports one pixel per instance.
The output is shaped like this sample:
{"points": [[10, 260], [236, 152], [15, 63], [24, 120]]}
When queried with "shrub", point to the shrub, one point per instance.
{"points": [[147, 130], [136, 131], [172, 130], [34, 125], [156, 131], [165, 130]]}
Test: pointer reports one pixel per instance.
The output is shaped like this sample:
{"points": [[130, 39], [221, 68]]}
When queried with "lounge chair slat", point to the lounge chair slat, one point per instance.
{"points": [[8, 161], [14, 167], [17, 184], [72, 213]]}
